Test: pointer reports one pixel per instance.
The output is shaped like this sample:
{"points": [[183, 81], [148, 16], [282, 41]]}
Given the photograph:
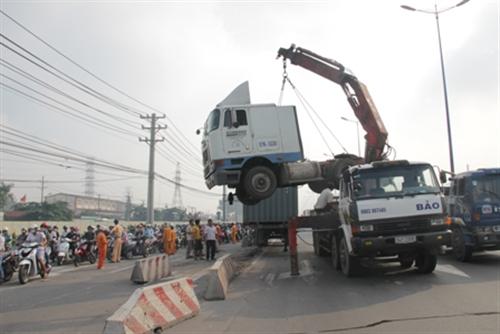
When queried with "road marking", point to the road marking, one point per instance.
{"points": [[305, 270], [121, 269], [449, 269], [270, 278]]}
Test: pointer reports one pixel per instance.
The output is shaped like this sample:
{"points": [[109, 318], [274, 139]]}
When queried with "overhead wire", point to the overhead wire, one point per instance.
{"points": [[29, 31]]}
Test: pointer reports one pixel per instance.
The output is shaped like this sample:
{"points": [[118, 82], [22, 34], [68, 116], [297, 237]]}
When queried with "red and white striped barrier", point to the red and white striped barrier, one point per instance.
{"points": [[151, 269], [155, 307]]}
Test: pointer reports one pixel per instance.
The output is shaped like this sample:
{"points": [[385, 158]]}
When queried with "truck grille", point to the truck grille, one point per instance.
{"points": [[398, 227]]}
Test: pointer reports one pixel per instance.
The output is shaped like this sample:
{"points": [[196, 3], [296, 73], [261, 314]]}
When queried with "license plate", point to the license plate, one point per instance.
{"points": [[405, 239], [496, 228]]}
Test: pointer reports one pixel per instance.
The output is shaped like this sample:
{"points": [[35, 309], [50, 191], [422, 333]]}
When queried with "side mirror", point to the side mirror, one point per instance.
{"points": [[442, 176], [197, 131], [230, 198], [236, 125], [358, 186]]}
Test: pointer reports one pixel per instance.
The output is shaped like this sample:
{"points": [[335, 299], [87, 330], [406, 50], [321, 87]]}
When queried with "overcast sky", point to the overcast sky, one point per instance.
{"points": [[184, 57]]}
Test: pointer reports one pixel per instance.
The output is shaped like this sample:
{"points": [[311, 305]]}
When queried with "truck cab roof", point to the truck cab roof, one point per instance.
{"points": [[478, 172], [382, 164]]}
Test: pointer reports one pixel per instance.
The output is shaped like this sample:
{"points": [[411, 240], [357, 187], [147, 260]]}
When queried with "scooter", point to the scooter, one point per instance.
{"points": [[85, 252], [63, 253], [29, 265], [9, 265]]}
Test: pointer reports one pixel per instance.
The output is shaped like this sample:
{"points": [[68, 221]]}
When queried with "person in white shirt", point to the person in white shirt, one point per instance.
{"points": [[189, 239], [325, 199], [210, 233]]}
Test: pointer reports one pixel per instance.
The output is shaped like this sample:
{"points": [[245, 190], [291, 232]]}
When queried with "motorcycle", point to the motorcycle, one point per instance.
{"points": [[63, 253], [29, 266], [9, 265], [85, 251], [142, 247]]}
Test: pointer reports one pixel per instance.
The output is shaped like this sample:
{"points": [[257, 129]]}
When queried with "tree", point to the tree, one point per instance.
{"points": [[44, 211], [5, 195]]}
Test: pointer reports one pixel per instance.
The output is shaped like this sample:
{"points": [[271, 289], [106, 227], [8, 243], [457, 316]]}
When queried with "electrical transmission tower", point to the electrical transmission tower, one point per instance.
{"points": [[177, 200], [90, 179], [151, 177]]}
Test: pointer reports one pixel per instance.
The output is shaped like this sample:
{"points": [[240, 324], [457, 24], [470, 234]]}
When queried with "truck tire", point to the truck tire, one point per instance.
{"points": [[317, 247], [461, 251], [425, 262], [335, 253], [259, 182], [348, 264], [244, 198], [333, 171]]}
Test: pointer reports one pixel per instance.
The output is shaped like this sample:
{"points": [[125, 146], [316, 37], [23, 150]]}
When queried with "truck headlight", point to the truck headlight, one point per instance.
{"points": [[366, 228], [437, 221]]}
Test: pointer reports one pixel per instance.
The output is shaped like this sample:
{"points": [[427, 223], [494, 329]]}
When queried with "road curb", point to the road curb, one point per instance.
{"points": [[220, 274], [155, 307], [151, 269]]}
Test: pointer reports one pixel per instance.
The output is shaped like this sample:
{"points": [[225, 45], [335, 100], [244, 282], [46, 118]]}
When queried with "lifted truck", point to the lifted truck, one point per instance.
{"points": [[474, 210], [256, 148], [385, 209]]}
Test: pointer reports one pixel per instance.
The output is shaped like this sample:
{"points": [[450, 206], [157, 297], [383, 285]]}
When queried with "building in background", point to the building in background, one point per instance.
{"points": [[90, 206]]}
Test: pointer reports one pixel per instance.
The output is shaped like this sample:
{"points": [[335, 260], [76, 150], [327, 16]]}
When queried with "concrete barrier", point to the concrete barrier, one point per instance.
{"points": [[155, 307], [219, 276], [151, 269]]}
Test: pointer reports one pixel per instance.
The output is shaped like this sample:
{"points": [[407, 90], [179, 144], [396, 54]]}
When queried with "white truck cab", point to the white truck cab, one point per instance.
{"points": [[250, 141]]}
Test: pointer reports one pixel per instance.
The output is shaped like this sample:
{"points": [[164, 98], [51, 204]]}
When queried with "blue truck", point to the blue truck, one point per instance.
{"points": [[473, 205]]}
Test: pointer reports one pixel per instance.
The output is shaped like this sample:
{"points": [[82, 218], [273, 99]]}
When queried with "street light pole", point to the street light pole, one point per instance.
{"points": [[357, 132], [436, 13]]}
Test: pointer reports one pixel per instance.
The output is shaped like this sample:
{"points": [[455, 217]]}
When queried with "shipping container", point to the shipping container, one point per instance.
{"points": [[269, 218]]}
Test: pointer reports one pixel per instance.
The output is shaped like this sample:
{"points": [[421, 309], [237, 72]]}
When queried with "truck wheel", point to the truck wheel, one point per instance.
{"points": [[335, 253], [461, 251], [259, 182], [348, 264], [244, 198], [426, 262]]}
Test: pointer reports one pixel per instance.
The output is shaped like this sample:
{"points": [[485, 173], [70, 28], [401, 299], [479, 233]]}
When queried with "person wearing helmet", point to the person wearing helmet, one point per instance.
{"points": [[40, 238], [21, 239], [7, 237]]}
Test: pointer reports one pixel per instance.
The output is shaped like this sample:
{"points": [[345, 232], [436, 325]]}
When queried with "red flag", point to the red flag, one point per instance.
{"points": [[23, 199]]}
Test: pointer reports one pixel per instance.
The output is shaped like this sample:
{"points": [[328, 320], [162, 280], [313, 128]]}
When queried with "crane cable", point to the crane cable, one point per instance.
{"points": [[308, 107]]}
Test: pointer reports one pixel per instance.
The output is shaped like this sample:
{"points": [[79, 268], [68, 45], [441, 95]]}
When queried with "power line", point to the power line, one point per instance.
{"points": [[40, 82], [95, 76]]}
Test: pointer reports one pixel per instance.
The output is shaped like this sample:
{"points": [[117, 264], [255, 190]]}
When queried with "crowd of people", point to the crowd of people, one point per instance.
{"points": [[109, 242]]}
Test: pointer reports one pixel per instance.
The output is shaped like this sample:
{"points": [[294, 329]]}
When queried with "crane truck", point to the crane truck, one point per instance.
{"points": [[386, 208]]}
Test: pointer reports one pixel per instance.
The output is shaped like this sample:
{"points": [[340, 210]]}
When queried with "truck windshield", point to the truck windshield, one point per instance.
{"points": [[212, 121], [395, 181], [486, 188]]}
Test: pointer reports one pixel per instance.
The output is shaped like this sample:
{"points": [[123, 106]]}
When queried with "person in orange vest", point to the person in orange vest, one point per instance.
{"points": [[234, 233], [102, 247], [167, 235], [172, 242]]}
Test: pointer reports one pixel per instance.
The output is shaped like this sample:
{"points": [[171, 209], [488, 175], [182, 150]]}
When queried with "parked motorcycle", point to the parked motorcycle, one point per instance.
{"points": [[63, 253], [29, 265], [9, 265], [86, 251]]}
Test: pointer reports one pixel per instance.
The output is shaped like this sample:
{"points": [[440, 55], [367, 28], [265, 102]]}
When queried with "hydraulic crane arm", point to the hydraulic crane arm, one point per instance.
{"points": [[356, 92]]}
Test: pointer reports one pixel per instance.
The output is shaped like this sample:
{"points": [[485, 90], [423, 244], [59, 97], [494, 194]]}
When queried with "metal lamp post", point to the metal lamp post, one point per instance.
{"points": [[357, 130], [436, 13]]}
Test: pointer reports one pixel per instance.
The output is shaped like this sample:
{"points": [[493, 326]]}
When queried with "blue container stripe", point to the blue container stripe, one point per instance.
{"points": [[274, 158]]}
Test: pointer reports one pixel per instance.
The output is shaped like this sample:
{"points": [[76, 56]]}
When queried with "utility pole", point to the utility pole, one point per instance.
{"points": [[223, 203], [43, 188], [151, 177]]}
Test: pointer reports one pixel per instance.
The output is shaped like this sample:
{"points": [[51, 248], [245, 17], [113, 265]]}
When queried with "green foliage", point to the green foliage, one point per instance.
{"points": [[5, 195], [46, 211]]}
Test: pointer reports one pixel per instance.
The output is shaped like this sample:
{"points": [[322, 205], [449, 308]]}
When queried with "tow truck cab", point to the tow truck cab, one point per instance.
{"points": [[392, 208], [474, 209]]}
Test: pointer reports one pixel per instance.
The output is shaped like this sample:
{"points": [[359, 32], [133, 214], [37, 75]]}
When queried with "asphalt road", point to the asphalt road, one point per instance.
{"points": [[456, 298], [78, 300]]}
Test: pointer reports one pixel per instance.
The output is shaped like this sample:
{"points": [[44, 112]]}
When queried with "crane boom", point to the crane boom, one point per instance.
{"points": [[357, 95]]}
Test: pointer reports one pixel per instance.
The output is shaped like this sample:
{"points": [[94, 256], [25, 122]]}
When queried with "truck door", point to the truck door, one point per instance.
{"points": [[237, 139]]}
